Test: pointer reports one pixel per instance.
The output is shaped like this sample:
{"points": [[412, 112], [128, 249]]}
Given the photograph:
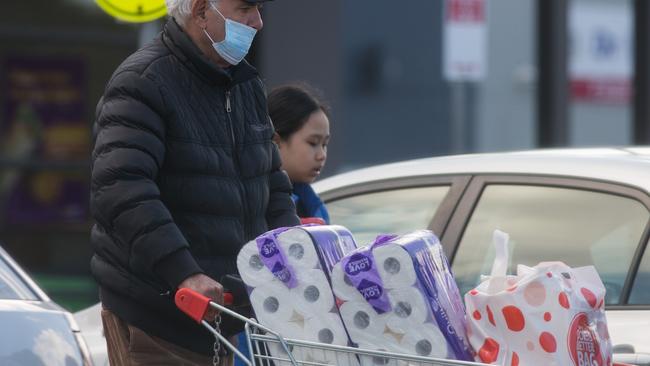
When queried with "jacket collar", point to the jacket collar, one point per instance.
{"points": [[182, 46]]}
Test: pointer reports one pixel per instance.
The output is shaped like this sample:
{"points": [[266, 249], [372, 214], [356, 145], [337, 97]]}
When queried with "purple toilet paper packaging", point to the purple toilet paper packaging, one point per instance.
{"points": [[361, 269], [332, 242], [287, 272], [306, 246], [437, 282], [398, 294]]}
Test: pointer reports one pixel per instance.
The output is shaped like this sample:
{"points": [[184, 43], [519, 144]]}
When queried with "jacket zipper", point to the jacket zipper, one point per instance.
{"points": [[232, 128], [235, 155]]}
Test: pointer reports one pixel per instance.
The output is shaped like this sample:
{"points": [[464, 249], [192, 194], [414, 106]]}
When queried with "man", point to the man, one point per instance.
{"points": [[184, 173]]}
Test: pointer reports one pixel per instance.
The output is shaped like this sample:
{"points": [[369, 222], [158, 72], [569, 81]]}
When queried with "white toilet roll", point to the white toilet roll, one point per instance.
{"points": [[362, 322], [375, 360], [425, 340], [289, 330], [280, 357], [273, 305], [409, 309], [299, 249], [341, 285], [251, 268], [395, 266], [313, 296], [328, 329]]}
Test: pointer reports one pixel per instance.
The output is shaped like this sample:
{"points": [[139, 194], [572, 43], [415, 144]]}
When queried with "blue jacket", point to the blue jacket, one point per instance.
{"points": [[308, 204]]}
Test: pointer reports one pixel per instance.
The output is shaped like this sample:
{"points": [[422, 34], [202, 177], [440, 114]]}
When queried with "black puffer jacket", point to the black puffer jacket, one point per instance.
{"points": [[184, 173]]}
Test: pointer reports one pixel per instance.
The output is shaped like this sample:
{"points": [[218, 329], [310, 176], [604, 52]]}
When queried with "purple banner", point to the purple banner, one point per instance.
{"points": [[274, 257], [45, 121], [438, 284], [362, 272]]}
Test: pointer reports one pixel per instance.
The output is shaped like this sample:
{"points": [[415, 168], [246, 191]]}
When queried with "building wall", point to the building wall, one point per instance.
{"points": [[380, 65], [301, 42], [383, 81]]}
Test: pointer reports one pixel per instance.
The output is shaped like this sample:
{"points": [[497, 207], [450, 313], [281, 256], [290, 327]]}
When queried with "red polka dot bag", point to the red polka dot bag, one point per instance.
{"points": [[549, 314]]}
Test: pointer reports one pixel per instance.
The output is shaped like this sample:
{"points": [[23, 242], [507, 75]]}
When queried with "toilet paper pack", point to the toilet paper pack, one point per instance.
{"points": [[399, 295], [287, 272]]}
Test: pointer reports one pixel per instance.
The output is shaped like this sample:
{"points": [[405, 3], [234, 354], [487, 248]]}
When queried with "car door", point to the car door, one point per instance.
{"points": [[577, 221]]}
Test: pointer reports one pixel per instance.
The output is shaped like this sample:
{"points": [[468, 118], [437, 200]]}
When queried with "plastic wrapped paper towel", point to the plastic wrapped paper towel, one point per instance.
{"points": [[288, 274], [398, 295]]}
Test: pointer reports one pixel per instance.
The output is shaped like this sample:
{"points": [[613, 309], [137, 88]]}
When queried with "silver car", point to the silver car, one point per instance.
{"points": [[579, 206], [35, 331]]}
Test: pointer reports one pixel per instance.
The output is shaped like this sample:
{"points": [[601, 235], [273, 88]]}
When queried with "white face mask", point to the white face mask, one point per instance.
{"points": [[237, 42]]}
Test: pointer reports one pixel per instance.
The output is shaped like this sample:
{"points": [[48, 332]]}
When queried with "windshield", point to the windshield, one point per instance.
{"points": [[12, 287]]}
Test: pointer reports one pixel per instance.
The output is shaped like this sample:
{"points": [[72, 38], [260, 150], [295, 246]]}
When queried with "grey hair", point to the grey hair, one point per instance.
{"points": [[181, 9]]}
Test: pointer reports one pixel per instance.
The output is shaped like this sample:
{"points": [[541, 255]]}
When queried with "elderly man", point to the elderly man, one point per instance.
{"points": [[184, 173]]}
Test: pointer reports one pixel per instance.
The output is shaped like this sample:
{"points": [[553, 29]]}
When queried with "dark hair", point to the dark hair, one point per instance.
{"points": [[290, 107]]}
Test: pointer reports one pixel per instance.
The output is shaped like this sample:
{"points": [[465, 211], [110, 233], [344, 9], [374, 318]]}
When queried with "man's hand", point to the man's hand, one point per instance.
{"points": [[206, 286]]}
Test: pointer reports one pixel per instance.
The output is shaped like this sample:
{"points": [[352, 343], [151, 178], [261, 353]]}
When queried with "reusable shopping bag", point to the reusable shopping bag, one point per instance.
{"points": [[549, 314]]}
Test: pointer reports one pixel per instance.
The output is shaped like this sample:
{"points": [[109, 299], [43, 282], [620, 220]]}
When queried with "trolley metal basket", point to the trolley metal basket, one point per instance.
{"points": [[268, 347]]}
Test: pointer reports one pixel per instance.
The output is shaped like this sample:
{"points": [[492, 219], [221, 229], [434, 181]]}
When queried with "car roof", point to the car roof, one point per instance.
{"points": [[627, 165]]}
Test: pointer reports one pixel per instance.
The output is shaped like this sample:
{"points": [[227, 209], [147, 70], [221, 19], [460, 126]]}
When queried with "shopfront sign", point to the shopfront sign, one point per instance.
{"points": [[600, 63], [465, 40], [134, 11]]}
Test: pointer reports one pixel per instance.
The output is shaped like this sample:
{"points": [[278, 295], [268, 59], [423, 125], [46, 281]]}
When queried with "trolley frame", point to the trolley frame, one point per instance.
{"points": [[261, 338]]}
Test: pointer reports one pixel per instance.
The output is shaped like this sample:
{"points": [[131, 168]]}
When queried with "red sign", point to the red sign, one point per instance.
{"points": [[614, 91], [470, 11]]}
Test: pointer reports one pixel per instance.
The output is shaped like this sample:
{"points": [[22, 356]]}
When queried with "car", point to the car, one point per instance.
{"points": [[90, 323], [579, 206], [35, 330]]}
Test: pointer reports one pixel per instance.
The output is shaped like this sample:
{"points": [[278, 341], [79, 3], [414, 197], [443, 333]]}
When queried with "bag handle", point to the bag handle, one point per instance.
{"points": [[500, 265]]}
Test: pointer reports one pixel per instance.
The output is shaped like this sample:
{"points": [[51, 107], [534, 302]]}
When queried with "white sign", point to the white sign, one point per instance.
{"points": [[600, 61], [465, 40]]}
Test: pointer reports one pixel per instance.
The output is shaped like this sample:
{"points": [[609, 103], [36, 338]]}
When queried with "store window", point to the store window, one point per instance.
{"points": [[55, 59]]}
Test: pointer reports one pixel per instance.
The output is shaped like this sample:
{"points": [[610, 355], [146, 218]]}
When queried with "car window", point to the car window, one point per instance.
{"points": [[394, 212], [12, 287], [640, 294], [577, 227]]}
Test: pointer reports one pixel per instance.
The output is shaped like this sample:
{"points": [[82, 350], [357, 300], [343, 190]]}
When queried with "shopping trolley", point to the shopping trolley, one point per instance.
{"points": [[268, 347]]}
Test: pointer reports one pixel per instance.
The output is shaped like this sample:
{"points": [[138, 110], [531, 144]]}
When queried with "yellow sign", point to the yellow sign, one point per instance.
{"points": [[134, 11]]}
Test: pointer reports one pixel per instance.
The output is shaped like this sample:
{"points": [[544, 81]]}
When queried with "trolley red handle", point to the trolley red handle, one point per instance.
{"points": [[195, 305], [312, 220]]}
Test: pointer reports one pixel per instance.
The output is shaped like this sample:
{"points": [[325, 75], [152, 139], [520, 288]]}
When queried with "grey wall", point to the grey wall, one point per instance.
{"points": [[301, 41], [380, 70], [506, 100], [395, 100]]}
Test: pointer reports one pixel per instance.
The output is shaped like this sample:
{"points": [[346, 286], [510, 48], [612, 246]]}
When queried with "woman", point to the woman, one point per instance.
{"points": [[302, 133]]}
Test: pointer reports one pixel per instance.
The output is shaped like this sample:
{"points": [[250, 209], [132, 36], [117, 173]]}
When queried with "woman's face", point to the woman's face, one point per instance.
{"points": [[305, 151]]}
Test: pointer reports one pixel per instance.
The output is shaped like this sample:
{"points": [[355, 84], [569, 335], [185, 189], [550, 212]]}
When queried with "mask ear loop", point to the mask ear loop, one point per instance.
{"points": [[224, 19], [217, 10], [210, 38]]}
